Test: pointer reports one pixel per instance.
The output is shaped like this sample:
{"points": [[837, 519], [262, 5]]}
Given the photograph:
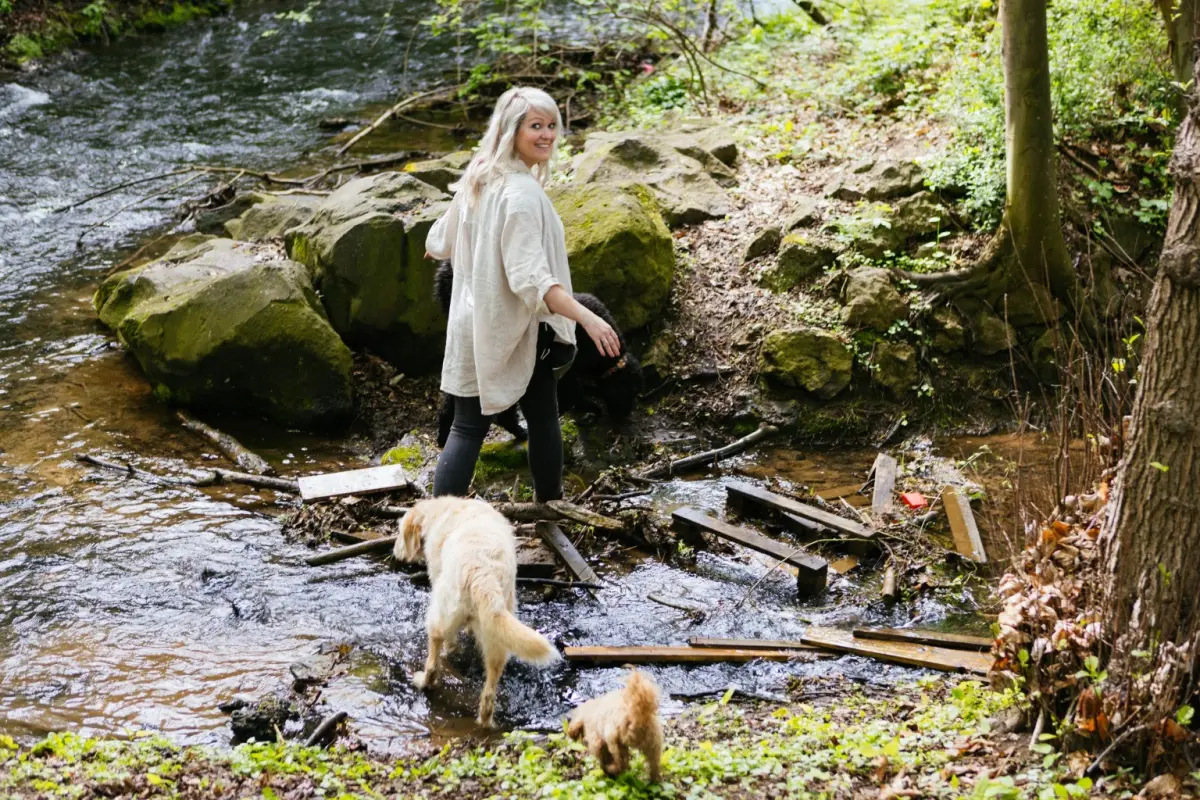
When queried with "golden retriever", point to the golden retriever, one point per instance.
{"points": [[614, 722], [471, 555]]}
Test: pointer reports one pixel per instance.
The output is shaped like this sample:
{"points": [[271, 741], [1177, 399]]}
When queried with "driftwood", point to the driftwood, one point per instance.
{"points": [[237, 452], [211, 477], [710, 456], [327, 727], [385, 116]]}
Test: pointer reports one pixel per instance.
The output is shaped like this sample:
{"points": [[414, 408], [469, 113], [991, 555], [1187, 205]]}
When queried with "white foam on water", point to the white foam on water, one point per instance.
{"points": [[15, 98]]}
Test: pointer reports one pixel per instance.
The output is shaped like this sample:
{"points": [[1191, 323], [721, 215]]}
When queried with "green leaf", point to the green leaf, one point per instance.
{"points": [[1159, 467], [1184, 715]]}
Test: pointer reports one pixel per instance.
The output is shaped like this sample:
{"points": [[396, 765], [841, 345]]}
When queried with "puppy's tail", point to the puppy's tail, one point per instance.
{"points": [[504, 629], [642, 692]]}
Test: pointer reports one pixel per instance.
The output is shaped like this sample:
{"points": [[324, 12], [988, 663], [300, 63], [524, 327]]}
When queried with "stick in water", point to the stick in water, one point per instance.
{"points": [[710, 456], [237, 452]]}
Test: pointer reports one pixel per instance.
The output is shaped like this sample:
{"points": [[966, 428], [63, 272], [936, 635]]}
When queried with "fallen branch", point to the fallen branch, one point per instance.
{"points": [[889, 585], [382, 118], [814, 13], [383, 544], [710, 456], [213, 477], [616, 498], [325, 729], [584, 516], [118, 188], [237, 452], [679, 603]]}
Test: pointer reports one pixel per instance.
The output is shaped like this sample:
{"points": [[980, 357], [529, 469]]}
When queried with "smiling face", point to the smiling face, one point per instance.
{"points": [[535, 137]]}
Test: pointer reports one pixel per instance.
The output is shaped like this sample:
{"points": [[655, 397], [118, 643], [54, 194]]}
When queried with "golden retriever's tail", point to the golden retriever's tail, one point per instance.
{"points": [[642, 692], [505, 630]]}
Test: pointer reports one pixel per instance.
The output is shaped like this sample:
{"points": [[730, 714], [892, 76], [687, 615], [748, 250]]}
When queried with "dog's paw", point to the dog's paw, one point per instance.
{"points": [[419, 680], [489, 722]]}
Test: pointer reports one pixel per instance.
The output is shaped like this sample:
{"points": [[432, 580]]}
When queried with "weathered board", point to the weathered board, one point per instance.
{"points": [[534, 559], [838, 492], [371, 480], [914, 655], [885, 484], [811, 570], [952, 641], [753, 644], [744, 497], [673, 655], [557, 541], [962, 525]]}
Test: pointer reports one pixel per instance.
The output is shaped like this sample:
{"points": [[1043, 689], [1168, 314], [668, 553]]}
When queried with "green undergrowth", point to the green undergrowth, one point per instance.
{"points": [[932, 731], [28, 34]]}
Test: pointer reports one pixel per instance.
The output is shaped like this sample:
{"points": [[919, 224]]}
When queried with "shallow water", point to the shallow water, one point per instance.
{"points": [[128, 605]]}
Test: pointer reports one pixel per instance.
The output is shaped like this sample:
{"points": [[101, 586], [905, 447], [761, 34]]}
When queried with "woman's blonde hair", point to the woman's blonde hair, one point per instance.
{"points": [[496, 154]]}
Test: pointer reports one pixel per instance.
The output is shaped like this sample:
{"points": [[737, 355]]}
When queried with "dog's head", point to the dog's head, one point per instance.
{"points": [[408, 543], [620, 386]]}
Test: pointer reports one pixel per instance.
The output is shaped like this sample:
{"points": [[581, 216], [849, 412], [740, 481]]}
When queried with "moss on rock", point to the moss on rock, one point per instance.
{"points": [[619, 248], [806, 358]]}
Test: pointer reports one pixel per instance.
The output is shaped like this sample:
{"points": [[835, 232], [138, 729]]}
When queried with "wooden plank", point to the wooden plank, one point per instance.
{"points": [[952, 641], [744, 496], [914, 655], [885, 484], [557, 541], [752, 644], [838, 492], [674, 655], [962, 525], [812, 571], [356, 481], [844, 564]]}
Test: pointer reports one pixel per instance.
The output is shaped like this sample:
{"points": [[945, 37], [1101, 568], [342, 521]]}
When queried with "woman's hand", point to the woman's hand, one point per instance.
{"points": [[602, 334]]}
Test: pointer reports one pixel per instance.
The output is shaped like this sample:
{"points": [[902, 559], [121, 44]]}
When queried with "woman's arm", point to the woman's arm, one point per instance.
{"points": [[559, 301], [439, 242]]}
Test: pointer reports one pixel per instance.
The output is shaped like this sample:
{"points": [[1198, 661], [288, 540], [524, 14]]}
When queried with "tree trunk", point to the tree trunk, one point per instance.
{"points": [[1180, 19], [1031, 217], [1151, 541]]}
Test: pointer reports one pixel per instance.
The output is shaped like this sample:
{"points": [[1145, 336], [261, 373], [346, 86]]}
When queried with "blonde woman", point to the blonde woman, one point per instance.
{"points": [[511, 329]]}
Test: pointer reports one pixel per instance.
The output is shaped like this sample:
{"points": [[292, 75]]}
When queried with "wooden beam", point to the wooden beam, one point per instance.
{"points": [[673, 655], [913, 655], [952, 641], [812, 571], [753, 644], [885, 484], [745, 497], [356, 481], [967, 540], [557, 541]]}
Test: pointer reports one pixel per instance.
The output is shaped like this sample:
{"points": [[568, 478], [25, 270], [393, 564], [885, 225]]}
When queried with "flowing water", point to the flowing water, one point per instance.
{"points": [[126, 604]]}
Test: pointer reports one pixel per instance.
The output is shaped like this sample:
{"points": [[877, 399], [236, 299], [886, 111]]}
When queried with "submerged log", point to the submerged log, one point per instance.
{"points": [[237, 452], [211, 477]]}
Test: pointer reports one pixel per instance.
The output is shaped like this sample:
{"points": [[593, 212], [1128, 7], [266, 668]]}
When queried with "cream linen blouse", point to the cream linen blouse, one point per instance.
{"points": [[507, 252]]}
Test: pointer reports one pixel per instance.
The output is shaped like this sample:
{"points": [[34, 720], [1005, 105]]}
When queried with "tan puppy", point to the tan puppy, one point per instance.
{"points": [[613, 723], [471, 555]]}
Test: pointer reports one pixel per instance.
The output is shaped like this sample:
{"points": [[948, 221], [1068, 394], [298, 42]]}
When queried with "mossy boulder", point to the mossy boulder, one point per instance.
{"points": [[949, 331], [500, 459], [619, 248], [686, 187], [231, 326], [800, 259], [894, 366], [1031, 304], [270, 216], [440, 172], [871, 299], [992, 334], [919, 217], [764, 243], [365, 251], [806, 358]]}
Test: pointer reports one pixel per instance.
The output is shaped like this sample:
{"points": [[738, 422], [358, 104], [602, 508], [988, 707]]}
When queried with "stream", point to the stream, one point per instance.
{"points": [[127, 605]]}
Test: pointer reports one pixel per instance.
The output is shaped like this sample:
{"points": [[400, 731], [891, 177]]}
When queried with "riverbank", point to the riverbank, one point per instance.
{"points": [[832, 738], [29, 34]]}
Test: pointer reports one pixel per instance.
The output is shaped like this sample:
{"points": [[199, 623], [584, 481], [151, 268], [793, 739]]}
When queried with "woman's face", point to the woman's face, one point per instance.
{"points": [[535, 138]]}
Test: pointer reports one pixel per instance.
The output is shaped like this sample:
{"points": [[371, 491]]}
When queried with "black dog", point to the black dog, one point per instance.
{"points": [[617, 381]]}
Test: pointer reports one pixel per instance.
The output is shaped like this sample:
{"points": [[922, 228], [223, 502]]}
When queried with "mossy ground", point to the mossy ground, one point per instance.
{"points": [[930, 738], [29, 34]]}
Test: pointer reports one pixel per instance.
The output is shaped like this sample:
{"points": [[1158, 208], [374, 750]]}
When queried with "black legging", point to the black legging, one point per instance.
{"points": [[456, 464]]}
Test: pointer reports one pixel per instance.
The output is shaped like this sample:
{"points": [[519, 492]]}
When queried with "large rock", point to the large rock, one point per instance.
{"points": [[871, 300], [806, 358], [899, 223], [270, 216], [1032, 304], [365, 250], [894, 366], [949, 332], [764, 243], [992, 334], [440, 172], [805, 214], [619, 248], [800, 259], [878, 180], [231, 326], [688, 189]]}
